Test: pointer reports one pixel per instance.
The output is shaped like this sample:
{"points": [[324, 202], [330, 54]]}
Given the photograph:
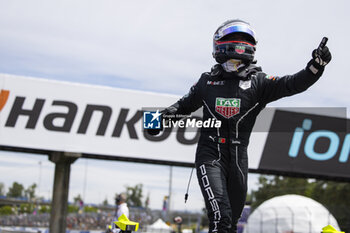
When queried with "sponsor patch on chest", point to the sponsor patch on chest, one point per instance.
{"points": [[227, 107], [216, 83]]}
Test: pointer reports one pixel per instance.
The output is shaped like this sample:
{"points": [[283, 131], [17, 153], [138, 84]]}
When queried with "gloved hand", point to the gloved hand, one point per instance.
{"points": [[153, 132], [320, 57]]}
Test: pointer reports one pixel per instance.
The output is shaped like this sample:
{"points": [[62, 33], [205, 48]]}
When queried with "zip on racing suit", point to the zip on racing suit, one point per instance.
{"points": [[234, 98]]}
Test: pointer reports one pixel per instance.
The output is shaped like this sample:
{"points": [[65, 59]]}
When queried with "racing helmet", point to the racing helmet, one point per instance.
{"points": [[234, 39]]}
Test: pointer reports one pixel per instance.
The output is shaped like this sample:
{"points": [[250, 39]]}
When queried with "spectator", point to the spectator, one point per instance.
{"points": [[122, 207]]}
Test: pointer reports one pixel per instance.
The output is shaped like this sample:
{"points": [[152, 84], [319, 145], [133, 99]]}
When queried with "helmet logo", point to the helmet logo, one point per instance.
{"points": [[239, 49]]}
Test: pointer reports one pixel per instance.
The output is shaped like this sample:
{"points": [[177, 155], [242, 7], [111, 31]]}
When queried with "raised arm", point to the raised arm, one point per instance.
{"points": [[274, 88]]}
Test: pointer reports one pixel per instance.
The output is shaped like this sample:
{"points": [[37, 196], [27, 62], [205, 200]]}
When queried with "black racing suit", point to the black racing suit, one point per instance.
{"points": [[235, 98]]}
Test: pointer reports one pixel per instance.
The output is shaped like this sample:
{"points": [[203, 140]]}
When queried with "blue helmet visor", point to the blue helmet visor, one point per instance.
{"points": [[234, 28], [238, 28]]}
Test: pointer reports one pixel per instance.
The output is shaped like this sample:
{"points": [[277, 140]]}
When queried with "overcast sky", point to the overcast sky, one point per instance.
{"points": [[160, 46]]}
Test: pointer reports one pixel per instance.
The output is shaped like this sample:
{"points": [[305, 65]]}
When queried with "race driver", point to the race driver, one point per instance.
{"points": [[234, 92]]}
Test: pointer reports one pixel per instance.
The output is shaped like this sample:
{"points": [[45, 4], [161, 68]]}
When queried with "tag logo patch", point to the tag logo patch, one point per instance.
{"points": [[227, 107], [239, 49], [245, 84]]}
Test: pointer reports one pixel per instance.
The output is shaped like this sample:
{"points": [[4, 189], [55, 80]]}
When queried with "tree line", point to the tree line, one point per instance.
{"points": [[134, 196], [17, 190]]}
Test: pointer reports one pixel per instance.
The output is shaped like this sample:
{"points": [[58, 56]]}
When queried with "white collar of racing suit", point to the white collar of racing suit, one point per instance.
{"points": [[232, 65]]}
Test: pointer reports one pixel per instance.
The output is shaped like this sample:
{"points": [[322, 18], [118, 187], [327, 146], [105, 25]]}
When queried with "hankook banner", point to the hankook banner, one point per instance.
{"points": [[60, 116]]}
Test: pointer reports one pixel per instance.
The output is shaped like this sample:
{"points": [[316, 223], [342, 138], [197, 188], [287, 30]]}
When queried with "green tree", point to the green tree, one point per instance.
{"points": [[270, 186], [134, 195], [16, 190], [30, 191], [6, 210], [105, 202], [77, 199], [26, 208], [90, 209], [73, 209], [44, 209], [2, 189]]}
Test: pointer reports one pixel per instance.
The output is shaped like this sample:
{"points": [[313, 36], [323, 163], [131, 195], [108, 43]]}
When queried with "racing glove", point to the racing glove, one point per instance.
{"points": [[320, 57], [153, 132]]}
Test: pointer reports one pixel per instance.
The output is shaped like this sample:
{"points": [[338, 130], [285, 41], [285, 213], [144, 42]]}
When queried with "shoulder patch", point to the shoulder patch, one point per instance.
{"points": [[271, 77]]}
